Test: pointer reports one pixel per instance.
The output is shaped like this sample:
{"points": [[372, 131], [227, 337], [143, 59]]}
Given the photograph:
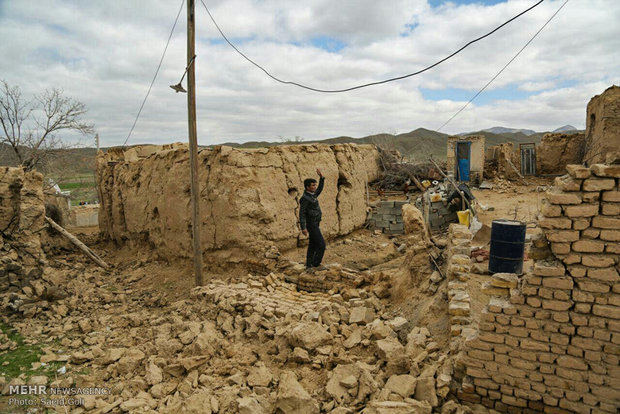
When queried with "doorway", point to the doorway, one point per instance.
{"points": [[528, 158], [463, 160]]}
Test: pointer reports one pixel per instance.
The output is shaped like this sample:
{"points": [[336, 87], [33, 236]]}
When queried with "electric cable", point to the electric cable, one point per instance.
{"points": [[366, 84], [504, 68], [156, 72]]}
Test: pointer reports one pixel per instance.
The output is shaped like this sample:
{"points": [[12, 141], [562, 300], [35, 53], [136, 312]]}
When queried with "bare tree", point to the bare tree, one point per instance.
{"points": [[30, 127], [287, 140]]}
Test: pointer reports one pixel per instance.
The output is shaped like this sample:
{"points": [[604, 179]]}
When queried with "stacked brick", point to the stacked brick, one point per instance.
{"points": [[458, 268], [437, 213], [553, 344], [388, 217]]}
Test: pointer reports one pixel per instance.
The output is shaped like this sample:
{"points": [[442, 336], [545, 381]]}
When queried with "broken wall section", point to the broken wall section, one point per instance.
{"points": [[553, 343], [557, 150], [602, 125], [247, 196]]}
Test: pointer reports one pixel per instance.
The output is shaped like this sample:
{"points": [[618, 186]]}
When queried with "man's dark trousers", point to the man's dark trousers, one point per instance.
{"points": [[316, 245]]}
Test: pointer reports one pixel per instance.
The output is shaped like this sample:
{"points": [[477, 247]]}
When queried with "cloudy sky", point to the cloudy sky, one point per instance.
{"points": [[105, 53]]}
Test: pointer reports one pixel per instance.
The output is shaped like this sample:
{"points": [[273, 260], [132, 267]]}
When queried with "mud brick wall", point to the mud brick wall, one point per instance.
{"points": [[247, 196], [22, 212], [388, 217], [553, 344]]}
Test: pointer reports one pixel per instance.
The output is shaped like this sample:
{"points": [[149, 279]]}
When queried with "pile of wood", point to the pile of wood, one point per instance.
{"points": [[398, 173]]}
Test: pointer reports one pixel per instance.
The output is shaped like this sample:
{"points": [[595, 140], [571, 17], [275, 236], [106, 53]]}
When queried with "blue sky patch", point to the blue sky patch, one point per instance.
{"points": [[437, 3], [328, 43], [511, 93]]}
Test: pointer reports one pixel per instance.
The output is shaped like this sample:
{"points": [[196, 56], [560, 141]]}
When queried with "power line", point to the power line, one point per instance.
{"points": [[504, 68], [366, 84], [156, 72]]}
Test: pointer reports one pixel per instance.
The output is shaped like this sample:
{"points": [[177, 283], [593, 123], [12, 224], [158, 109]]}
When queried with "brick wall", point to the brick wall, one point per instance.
{"points": [[553, 343]]}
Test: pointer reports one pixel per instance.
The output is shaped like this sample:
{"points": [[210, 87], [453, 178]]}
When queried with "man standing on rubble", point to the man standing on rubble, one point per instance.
{"points": [[310, 218]]}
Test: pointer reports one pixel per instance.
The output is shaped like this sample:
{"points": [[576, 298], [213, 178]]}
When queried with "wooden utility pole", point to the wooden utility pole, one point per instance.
{"points": [[193, 142]]}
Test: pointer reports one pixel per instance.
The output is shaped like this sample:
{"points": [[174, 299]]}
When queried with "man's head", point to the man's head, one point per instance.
{"points": [[310, 184]]}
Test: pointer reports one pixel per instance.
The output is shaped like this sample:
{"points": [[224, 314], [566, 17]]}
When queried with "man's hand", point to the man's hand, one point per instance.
{"points": [[305, 232], [319, 172]]}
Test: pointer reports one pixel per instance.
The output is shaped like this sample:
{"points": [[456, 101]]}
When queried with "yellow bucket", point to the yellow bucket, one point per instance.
{"points": [[463, 217]]}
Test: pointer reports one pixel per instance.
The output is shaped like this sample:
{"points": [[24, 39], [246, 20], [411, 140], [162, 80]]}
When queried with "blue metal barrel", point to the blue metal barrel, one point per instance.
{"points": [[507, 246]]}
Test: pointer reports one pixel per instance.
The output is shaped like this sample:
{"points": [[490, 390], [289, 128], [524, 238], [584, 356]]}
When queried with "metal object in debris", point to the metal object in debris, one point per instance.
{"points": [[507, 246]]}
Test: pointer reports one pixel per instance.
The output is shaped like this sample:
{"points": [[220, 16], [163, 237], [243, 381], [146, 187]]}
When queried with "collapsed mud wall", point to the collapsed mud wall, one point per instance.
{"points": [[557, 150], [603, 125], [502, 160], [22, 213], [552, 343], [246, 195]]}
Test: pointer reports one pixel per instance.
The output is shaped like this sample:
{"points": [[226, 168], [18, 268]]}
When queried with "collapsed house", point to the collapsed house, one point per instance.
{"points": [[246, 195]]}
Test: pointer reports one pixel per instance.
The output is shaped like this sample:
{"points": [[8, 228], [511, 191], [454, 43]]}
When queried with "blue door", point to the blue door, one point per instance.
{"points": [[463, 152]]}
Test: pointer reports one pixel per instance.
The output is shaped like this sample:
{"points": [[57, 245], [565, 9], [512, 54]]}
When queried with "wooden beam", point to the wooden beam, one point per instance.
{"points": [[77, 243]]}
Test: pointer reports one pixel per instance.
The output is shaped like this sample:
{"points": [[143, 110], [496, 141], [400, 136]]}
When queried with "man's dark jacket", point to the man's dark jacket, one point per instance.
{"points": [[309, 209]]}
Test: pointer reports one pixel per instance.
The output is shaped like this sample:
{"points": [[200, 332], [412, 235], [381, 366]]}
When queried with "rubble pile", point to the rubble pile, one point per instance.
{"points": [[259, 346]]}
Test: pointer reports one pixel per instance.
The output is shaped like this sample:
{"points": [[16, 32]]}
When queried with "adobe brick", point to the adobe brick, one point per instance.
{"points": [[606, 311], [541, 269], [578, 171], [491, 337], [556, 197], [561, 295], [598, 184], [545, 293], [605, 170], [586, 343], [581, 223], [612, 195], [577, 319], [577, 270], [591, 197], [583, 307], [581, 210], [535, 346], [585, 331], [556, 222], [588, 246], [561, 317], [566, 361], [598, 260], [592, 286], [571, 259], [613, 248], [567, 183], [560, 248], [590, 233], [610, 209], [562, 236], [582, 296], [608, 274], [614, 300], [604, 222], [563, 282], [602, 335], [592, 356], [551, 210], [556, 305]]}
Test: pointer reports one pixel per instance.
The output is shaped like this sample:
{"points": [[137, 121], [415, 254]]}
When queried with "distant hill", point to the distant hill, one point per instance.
{"points": [[503, 130], [416, 145], [565, 128]]}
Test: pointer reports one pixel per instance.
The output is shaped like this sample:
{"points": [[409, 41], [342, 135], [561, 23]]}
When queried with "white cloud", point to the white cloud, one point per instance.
{"points": [[105, 54]]}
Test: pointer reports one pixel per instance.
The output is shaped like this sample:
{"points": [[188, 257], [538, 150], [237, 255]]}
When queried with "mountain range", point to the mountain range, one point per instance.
{"points": [[417, 145]]}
